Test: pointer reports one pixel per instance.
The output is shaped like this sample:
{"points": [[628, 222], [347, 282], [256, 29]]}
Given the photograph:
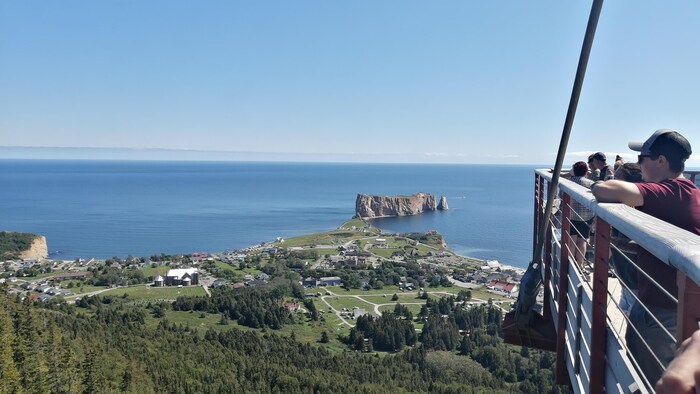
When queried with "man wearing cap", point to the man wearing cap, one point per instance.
{"points": [[600, 162], [667, 195], [594, 173]]}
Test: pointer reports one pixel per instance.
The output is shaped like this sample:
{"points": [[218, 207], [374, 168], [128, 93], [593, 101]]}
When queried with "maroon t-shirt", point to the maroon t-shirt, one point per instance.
{"points": [[676, 201]]}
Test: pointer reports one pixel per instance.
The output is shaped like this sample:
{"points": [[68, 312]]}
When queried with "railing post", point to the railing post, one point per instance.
{"points": [[688, 311], [562, 376], [539, 193], [599, 312]]}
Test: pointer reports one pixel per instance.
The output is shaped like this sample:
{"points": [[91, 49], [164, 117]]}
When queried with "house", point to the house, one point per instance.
{"points": [[329, 281], [248, 278], [380, 242], [218, 283], [238, 285], [310, 282], [263, 277], [43, 288], [182, 277], [357, 312], [159, 281], [504, 287], [292, 306]]}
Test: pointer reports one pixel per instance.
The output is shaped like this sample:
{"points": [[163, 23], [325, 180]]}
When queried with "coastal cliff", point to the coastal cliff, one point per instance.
{"points": [[368, 206], [24, 246]]}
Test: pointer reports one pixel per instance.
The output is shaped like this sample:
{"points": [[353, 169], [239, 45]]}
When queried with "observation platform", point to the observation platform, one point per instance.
{"points": [[581, 318]]}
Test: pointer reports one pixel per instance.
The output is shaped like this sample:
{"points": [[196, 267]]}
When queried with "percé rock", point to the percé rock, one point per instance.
{"points": [[23, 246], [442, 205], [367, 206]]}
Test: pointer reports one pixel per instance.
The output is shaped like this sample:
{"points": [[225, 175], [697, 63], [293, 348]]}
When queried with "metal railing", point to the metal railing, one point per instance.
{"points": [[582, 296]]}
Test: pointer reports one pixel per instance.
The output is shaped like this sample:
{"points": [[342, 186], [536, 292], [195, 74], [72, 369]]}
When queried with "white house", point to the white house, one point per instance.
{"points": [[182, 276]]}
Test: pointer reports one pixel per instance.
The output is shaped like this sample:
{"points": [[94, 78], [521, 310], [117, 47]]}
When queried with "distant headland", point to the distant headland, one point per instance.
{"points": [[15, 245], [373, 206]]}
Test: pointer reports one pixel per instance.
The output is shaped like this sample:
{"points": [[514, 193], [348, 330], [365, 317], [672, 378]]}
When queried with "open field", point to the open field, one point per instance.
{"points": [[155, 271], [156, 293], [357, 223], [348, 303], [225, 266], [415, 309], [78, 289]]}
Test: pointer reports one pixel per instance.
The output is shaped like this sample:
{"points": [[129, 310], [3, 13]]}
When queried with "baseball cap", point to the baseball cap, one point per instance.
{"points": [[599, 156], [666, 142]]}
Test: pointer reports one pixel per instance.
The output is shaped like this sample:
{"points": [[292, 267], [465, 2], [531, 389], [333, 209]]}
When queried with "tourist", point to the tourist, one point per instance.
{"points": [[581, 217], [667, 195], [593, 173], [600, 163], [683, 374], [618, 162], [625, 249]]}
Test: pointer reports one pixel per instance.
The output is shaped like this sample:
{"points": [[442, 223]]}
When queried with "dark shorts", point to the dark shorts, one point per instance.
{"points": [[582, 228]]}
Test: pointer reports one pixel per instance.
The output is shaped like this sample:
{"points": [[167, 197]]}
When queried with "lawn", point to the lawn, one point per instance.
{"points": [[77, 289], [158, 270], [226, 266], [357, 223], [156, 293], [346, 302], [415, 309]]}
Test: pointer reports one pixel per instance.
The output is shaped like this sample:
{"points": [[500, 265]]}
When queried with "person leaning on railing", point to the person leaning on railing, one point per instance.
{"points": [[580, 216], [625, 249], [667, 195]]}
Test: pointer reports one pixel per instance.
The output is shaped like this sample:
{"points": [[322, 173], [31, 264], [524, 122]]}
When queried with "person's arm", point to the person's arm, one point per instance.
{"points": [[618, 191], [683, 374]]}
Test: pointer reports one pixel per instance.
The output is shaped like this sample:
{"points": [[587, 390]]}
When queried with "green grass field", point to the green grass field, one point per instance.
{"points": [[346, 302], [77, 289], [415, 309], [156, 293], [159, 270]]}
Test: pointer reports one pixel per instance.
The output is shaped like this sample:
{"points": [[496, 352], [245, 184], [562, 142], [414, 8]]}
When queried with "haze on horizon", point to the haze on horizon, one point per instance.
{"points": [[408, 81]]}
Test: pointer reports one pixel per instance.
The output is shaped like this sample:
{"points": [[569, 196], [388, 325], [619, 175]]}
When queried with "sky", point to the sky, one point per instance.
{"points": [[346, 81]]}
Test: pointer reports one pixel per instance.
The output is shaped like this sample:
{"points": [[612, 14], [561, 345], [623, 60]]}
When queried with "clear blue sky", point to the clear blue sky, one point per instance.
{"points": [[379, 81]]}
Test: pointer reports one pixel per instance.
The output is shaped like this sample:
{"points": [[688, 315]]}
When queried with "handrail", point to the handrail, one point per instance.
{"points": [[670, 244]]}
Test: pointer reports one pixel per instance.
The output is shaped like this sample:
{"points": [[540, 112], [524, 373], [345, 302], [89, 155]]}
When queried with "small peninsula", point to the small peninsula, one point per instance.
{"points": [[373, 206]]}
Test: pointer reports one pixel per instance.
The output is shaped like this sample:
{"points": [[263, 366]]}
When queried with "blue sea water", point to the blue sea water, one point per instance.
{"points": [[116, 208]]}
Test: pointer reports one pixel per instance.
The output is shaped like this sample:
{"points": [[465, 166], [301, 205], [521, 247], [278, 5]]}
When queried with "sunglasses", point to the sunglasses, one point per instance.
{"points": [[640, 158]]}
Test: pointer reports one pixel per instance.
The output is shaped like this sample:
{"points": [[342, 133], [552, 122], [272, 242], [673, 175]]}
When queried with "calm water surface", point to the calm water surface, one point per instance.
{"points": [[116, 208]]}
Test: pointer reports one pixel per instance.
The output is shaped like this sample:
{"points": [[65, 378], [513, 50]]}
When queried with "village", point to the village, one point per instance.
{"points": [[348, 262]]}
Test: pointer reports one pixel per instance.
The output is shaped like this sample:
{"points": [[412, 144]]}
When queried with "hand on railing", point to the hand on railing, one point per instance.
{"points": [[683, 374]]}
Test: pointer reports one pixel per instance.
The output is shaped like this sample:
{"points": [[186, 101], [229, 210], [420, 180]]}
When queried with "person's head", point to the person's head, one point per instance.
{"points": [[599, 160], [580, 168], [618, 158], [590, 162], [630, 172], [663, 155]]}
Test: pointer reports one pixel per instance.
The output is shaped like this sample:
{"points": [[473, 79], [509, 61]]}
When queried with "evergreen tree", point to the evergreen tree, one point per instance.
{"points": [[9, 375], [91, 381]]}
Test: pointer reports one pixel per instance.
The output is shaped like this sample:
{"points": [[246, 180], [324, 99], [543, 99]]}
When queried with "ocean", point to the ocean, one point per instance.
{"points": [[102, 209]]}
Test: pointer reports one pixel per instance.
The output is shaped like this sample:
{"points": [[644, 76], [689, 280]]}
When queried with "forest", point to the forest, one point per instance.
{"points": [[102, 345]]}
